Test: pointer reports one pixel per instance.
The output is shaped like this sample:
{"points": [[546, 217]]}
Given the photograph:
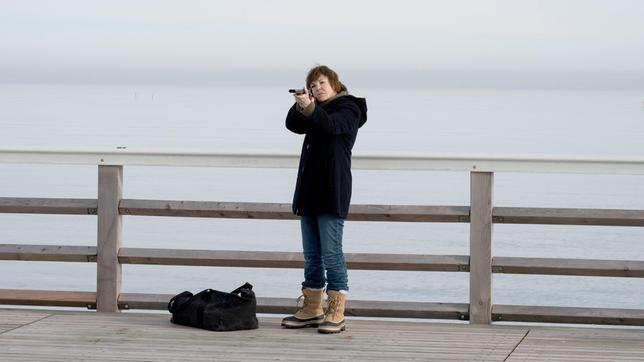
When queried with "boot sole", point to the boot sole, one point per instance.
{"points": [[332, 330], [297, 326], [302, 324]]}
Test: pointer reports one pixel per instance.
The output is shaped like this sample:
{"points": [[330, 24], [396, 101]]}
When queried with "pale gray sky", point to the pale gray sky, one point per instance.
{"points": [[190, 39]]}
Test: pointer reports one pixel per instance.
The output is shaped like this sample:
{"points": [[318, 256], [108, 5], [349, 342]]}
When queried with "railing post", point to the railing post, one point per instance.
{"points": [[108, 273], [481, 187]]}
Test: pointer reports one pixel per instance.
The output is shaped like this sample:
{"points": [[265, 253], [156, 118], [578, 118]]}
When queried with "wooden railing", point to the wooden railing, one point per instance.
{"points": [[110, 255]]}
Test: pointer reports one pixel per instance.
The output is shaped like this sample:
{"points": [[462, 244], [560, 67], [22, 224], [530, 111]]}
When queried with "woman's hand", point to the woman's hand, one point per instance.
{"points": [[303, 100]]}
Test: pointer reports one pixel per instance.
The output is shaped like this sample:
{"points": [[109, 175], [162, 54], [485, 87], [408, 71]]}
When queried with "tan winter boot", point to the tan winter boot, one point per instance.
{"points": [[310, 313], [334, 317]]}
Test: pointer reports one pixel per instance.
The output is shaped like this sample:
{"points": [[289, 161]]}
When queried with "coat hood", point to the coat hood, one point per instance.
{"points": [[362, 104]]}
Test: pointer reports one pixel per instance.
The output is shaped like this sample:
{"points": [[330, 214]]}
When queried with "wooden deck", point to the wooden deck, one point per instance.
{"points": [[37, 335]]}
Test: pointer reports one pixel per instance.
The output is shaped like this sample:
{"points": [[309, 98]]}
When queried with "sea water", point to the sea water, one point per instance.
{"points": [[502, 122]]}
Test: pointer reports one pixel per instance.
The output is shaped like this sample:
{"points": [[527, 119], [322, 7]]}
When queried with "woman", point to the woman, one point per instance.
{"points": [[330, 118]]}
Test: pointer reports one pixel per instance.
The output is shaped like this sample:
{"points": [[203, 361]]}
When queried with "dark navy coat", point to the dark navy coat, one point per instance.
{"points": [[324, 175]]}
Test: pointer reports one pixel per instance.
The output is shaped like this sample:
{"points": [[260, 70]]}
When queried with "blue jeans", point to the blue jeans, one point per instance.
{"points": [[322, 245]]}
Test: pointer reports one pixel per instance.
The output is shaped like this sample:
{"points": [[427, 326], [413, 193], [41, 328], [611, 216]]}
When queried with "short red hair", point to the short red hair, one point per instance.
{"points": [[334, 80]]}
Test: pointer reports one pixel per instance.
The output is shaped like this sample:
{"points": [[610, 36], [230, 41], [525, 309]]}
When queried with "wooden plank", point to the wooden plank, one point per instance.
{"points": [[274, 259], [481, 189], [206, 209], [409, 213], [65, 253], [407, 309], [151, 337], [110, 231], [583, 267], [248, 259], [566, 216], [279, 211], [52, 298], [29, 205], [580, 344], [362, 308], [12, 319], [543, 314], [409, 262]]}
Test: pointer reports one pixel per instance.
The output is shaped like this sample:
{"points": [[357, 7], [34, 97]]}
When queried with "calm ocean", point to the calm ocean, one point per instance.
{"points": [[502, 122]]}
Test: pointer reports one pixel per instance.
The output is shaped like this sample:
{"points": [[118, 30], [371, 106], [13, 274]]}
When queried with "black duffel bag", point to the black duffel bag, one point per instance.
{"points": [[215, 310]]}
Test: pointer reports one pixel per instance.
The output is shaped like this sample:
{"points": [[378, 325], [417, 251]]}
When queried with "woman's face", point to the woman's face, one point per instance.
{"points": [[322, 89]]}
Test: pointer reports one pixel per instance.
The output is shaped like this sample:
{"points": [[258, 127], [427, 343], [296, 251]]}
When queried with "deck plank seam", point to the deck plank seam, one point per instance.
{"points": [[27, 324], [517, 346]]}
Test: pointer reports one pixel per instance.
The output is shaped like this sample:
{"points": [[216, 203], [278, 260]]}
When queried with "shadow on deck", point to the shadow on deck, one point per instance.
{"points": [[39, 335]]}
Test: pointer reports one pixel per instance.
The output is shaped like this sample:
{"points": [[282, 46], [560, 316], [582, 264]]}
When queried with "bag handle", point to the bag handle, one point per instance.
{"points": [[171, 304], [246, 285]]}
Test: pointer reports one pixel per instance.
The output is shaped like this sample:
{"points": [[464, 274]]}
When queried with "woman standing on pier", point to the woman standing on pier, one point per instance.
{"points": [[330, 118]]}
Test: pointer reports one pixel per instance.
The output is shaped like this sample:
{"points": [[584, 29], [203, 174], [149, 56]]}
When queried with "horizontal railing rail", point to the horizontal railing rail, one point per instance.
{"points": [[408, 213], [31, 252], [123, 156], [361, 308], [283, 211], [276, 211], [109, 207], [563, 216], [357, 261], [51, 206]]}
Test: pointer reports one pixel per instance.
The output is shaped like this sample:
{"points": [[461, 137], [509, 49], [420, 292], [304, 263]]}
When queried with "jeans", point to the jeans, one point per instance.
{"points": [[322, 245]]}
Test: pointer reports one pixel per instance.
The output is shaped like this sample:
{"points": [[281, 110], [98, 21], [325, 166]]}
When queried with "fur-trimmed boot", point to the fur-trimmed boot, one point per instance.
{"points": [[334, 317], [310, 314]]}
